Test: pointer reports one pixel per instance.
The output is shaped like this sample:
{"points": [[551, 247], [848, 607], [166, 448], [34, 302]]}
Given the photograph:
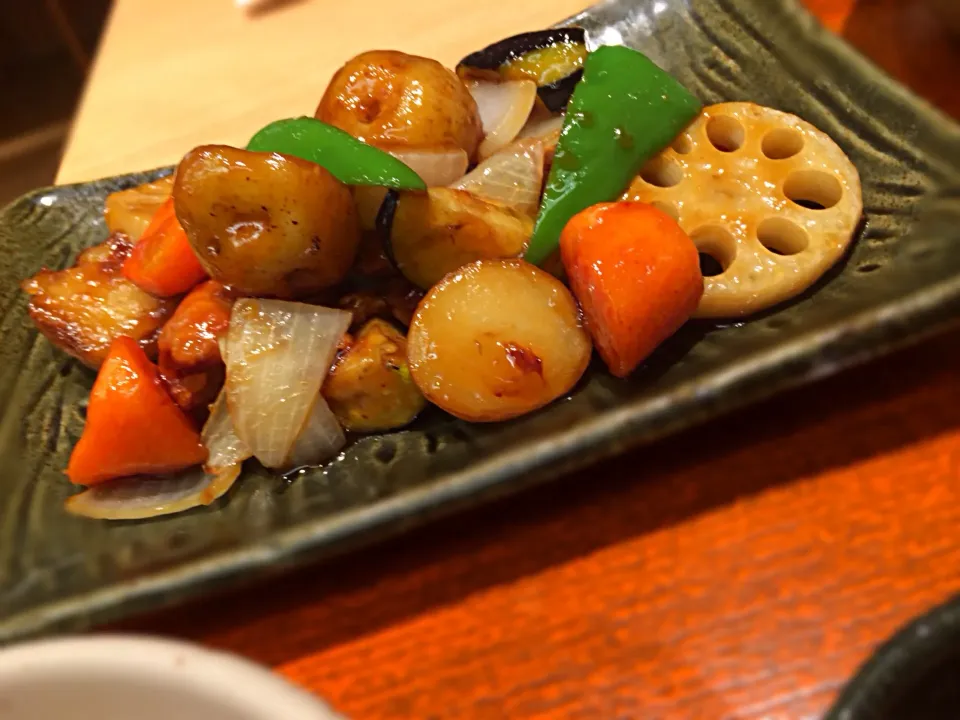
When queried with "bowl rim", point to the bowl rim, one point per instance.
{"points": [[189, 665], [900, 662]]}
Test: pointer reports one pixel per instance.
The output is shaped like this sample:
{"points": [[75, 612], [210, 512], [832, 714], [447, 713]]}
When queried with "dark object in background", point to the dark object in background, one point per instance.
{"points": [[45, 51], [914, 676], [949, 13]]}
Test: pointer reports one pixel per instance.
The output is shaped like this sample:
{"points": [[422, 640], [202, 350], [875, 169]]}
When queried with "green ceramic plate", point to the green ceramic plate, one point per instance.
{"points": [[901, 281]]}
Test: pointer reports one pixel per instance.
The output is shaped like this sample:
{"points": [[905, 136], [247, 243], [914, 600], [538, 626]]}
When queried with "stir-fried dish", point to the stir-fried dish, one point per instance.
{"points": [[463, 238]]}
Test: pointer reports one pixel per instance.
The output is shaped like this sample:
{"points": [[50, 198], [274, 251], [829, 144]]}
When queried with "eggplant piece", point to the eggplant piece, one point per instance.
{"points": [[429, 234], [551, 58]]}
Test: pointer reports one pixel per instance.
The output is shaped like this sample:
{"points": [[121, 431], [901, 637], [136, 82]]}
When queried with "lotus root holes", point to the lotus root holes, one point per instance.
{"points": [[667, 207], [662, 172], [813, 189], [717, 248], [782, 143], [725, 133], [782, 237], [683, 145]]}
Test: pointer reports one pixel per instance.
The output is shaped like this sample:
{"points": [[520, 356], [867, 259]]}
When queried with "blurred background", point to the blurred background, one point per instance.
{"points": [[46, 47], [47, 51]]}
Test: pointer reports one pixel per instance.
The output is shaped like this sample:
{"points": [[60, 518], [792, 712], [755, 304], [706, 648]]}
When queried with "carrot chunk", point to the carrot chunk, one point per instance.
{"points": [[163, 263], [636, 275], [133, 425]]}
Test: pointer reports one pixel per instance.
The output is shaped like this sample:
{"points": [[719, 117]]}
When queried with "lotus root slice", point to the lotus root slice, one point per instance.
{"points": [[774, 201]]}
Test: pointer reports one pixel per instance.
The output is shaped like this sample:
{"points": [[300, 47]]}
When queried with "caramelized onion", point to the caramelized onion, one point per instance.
{"points": [[278, 355], [504, 109]]}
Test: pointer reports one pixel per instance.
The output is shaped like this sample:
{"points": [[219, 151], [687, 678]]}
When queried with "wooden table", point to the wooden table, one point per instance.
{"points": [[742, 570]]}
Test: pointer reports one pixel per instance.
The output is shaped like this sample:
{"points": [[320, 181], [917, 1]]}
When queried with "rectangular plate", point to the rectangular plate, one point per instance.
{"points": [[901, 281]]}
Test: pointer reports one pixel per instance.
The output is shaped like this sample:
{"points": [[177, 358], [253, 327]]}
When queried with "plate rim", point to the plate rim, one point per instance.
{"points": [[878, 330], [892, 666]]}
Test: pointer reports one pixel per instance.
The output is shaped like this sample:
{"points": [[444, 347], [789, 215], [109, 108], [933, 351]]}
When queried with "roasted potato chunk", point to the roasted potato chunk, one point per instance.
{"points": [[370, 389], [266, 224], [497, 339], [392, 100], [84, 308], [368, 198], [435, 232], [129, 211]]}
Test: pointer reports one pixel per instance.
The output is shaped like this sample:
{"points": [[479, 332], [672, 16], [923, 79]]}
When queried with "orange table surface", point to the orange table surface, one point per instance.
{"points": [[741, 570]]}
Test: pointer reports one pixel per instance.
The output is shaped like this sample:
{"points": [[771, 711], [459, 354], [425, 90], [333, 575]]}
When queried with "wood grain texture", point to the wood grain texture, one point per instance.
{"points": [[739, 571], [742, 570], [208, 72], [911, 41]]}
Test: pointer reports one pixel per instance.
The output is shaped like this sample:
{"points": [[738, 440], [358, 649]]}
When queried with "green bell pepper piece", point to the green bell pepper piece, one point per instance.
{"points": [[349, 160], [623, 112]]}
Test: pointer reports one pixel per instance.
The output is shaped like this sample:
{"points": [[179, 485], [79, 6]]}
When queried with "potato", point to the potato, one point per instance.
{"points": [[370, 389], [435, 232], [129, 211], [266, 224], [84, 308], [368, 199], [391, 99], [497, 339]]}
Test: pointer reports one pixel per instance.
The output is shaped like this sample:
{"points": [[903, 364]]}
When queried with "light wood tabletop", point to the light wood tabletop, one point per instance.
{"points": [[175, 74], [741, 570]]}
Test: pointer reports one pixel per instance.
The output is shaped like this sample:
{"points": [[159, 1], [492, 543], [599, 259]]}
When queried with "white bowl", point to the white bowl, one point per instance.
{"points": [[123, 677]]}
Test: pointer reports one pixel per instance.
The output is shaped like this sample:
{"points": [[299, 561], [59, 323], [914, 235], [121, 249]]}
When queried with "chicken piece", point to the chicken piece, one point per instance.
{"points": [[84, 308], [197, 390], [189, 345], [190, 340], [370, 388]]}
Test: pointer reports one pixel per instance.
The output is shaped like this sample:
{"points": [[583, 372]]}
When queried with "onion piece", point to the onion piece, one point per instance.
{"points": [[321, 438], [437, 168], [224, 448], [147, 496], [547, 130], [542, 127], [504, 109], [278, 355], [512, 177]]}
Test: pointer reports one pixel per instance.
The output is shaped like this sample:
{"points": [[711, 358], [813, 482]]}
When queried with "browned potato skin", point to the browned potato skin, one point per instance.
{"points": [[495, 340], [368, 199], [266, 224], [392, 100], [84, 308], [130, 211], [437, 231], [370, 389]]}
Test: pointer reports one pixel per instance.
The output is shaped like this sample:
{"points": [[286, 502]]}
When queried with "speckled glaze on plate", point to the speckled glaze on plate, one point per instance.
{"points": [[900, 282]]}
